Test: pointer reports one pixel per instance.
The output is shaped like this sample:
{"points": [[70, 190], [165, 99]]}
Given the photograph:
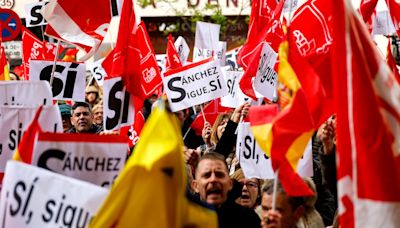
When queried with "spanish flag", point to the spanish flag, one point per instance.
{"points": [[28, 140], [150, 191], [4, 72]]}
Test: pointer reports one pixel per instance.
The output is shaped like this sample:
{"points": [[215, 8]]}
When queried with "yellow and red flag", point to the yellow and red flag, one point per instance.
{"points": [[4, 72]]}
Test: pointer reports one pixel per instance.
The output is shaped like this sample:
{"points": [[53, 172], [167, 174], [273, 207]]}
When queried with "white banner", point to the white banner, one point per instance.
{"points": [[15, 120], [235, 96], [266, 78], [98, 71], [220, 53], [97, 159], [182, 48], [34, 197], [206, 40], [69, 78], [194, 84], [118, 105], [255, 162], [383, 24], [25, 93], [33, 14]]}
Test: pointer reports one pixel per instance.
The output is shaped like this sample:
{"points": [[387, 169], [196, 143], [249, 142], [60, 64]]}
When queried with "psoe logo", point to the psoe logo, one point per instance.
{"points": [[149, 74]]}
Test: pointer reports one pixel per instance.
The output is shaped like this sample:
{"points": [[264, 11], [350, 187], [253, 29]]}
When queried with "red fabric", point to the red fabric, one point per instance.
{"points": [[264, 25], [368, 10], [211, 112], [133, 131], [91, 21], [394, 10], [365, 135], [246, 84], [173, 60]]}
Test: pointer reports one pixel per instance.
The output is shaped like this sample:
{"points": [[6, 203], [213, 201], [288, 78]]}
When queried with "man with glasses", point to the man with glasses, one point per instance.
{"points": [[82, 119]]}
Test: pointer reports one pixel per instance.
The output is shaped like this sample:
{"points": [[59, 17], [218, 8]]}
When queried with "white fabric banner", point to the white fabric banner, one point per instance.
{"points": [[266, 78], [25, 93], [118, 105], [69, 78], [255, 162], [15, 120], [194, 84], [34, 197], [33, 15], [182, 48], [235, 96], [97, 159], [206, 40]]}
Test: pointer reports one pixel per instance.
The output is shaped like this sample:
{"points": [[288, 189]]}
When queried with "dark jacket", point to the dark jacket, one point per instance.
{"points": [[231, 215], [94, 129]]}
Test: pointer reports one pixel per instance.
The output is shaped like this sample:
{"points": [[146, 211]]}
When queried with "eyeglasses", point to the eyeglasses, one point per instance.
{"points": [[250, 184]]}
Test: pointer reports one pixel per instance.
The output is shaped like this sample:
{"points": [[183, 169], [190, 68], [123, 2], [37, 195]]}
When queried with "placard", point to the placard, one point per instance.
{"points": [[206, 40], [34, 197], [235, 96], [182, 48], [25, 93], [33, 14]]}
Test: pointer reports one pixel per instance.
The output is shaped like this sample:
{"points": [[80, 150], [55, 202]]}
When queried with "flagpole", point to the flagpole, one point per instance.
{"points": [[275, 190], [202, 113], [54, 64]]}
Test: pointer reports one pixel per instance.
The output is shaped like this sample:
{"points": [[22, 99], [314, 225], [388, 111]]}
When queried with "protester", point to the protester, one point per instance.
{"points": [[92, 95], [289, 212], [213, 184], [98, 114], [251, 191], [82, 119], [65, 111]]}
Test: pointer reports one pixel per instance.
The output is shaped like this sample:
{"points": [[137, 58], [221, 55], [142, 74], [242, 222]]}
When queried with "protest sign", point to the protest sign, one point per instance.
{"points": [[255, 163], [25, 93], [161, 61], [235, 96], [266, 78], [182, 48], [221, 52], [33, 15], [206, 40], [34, 197], [15, 120], [98, 71], [69, 78], [383, 24], [231, 58], [97, 159], [194, 84], [118, 104]]}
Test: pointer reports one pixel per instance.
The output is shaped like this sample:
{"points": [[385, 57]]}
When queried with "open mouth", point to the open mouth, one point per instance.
{"points": [[214, 192], [245, 197]]}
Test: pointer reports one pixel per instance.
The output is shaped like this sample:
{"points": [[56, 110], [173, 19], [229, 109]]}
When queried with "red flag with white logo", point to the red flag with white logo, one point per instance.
{"points": [[82, 23]]}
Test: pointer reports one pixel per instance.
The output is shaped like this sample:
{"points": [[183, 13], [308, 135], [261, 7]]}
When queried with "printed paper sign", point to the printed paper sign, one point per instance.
{"points": [[15, 120], [194, 84], [231, 59], [33, 15], [220, 53], [206, 40], [161, 61], [118, 105], [235, 96], [97, 159], [182, 48], [25, 93], [35, 197], [98, 71], [69, 78], [266, 78], [383, 24], [255, 163]]}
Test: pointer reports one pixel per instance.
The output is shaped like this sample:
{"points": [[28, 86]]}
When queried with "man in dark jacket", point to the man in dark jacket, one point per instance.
{"points": [[82, 119], [213, 184]]}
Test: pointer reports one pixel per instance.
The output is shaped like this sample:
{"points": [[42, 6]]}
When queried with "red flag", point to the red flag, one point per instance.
{"points": [[82, 23], [368, 11], [264, 26], [246, 83], [173, 60], [368, 123], [33, 48], [394, 10], [392, 63], [211, 112], [4, 71]]}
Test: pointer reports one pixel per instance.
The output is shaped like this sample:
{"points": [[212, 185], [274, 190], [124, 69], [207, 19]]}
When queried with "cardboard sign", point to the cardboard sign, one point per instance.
{"points": [[255, 163], [206, 40], [97, 159], [266, 78], [69, 78], [118, 105], [33, 14], [235, 96], [25, 93], [15, 120], [98, 71], [182, 48], [194, 84], [34, 197]]}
